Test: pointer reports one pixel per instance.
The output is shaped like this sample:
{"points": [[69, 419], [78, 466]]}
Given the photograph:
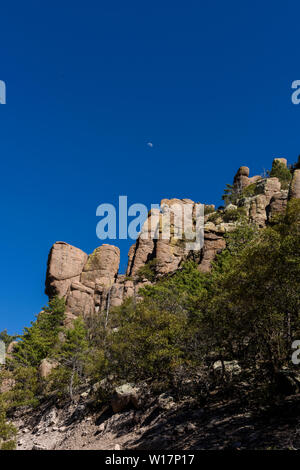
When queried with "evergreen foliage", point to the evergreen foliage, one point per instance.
{"points": [[38, 341], [280, 171], [7, 430], [230, 195]]}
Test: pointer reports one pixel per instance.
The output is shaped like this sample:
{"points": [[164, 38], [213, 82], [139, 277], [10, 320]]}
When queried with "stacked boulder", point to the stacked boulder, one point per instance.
{"points": [[242, 180], [266, 199], [84, 281]]}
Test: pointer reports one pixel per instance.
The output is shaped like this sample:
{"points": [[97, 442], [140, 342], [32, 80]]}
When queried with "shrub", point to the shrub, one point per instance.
{"points": [[73, 355], [6, 338], [149, 342], [232, 215], [7, 431], [26, 389], [230, 195], [214, 217], [280, 171], [38, 341], [148, 271], [249, 191], [208, 209]]}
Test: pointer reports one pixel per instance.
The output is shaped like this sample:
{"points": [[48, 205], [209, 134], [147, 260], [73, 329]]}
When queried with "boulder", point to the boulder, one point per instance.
{"points": [[231, 367], [281, 160], [241, 179], [124, 396], [80, 302], [257, 207], [117, 293], [169, 255], [268, 186], [214, 243], [102, 265], [11, 348], [254, 179], [277, 204], [166, 401], [210, 208], [230, 207], [65, 264], [257, 212], [46, 367]]}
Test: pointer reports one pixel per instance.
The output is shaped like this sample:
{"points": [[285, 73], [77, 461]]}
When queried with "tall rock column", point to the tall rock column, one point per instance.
{"points": [[241, 179], [295, 185]]}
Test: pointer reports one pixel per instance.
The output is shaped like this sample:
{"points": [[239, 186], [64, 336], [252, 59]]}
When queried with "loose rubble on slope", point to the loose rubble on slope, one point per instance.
{"points": [[160, 423]]}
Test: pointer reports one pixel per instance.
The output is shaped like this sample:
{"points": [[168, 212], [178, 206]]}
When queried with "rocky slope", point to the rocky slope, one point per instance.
{"points": [[162, 424]]}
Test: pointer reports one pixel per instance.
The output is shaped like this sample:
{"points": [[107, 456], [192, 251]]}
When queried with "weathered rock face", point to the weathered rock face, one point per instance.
{"points": [[214, 243], [281, 160], [268, 186], [84, 281], [230, 367], [91, 284], [295, 185], [278, 203], [65, 265], [46, 367], [257, 211], [267, 200], [144, 248], [102, 266], [160, 238], [124, 396], [80, 300], [241, 179]]}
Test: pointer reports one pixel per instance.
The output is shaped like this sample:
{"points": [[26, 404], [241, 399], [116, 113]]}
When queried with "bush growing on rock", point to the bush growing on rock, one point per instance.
{"points": [[280, 171], [232, 215], [148, 271]]}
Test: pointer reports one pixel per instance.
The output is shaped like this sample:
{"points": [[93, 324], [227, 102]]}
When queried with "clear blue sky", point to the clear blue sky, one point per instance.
{"points": [[90, 83]]}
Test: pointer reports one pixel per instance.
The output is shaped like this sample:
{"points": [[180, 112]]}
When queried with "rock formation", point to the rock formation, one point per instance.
{"points": [[84, 281], [92, 284], [242, 180], [65, 265], [295, 185], [46, 367]]}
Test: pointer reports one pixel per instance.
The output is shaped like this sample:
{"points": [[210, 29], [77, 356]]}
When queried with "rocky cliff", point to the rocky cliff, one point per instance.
{"points": [[91, 284]]}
